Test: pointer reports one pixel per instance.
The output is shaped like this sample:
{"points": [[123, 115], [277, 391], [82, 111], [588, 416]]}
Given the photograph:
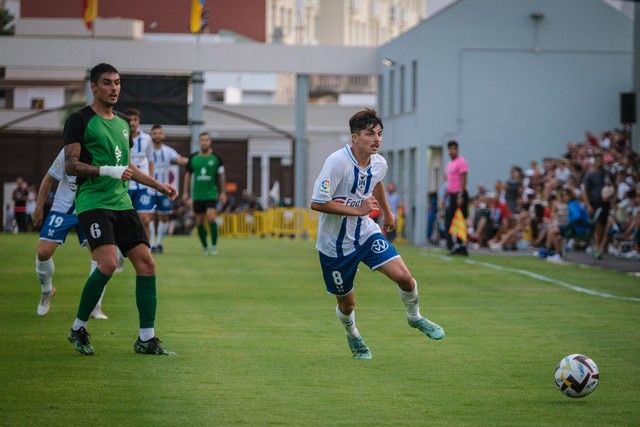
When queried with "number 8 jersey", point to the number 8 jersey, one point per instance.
{"points": [[344, 181]]}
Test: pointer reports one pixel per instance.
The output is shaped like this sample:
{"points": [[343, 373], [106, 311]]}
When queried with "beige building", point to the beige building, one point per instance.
{"points": [[341, 22]]}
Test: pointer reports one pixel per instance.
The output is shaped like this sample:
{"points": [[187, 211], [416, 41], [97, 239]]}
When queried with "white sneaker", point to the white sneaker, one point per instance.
{"points": [[631, 254], [45, 302], [495, 246], [556, 259], [213, 250], [98, 314]]}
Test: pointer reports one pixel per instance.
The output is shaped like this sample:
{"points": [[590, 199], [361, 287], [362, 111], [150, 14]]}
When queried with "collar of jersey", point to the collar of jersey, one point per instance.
{"points": [[353, 159]]}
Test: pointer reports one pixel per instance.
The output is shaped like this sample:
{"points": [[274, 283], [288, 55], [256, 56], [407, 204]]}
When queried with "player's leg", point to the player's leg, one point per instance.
{"points": [[199, 209], [97, 225], [382, 256], [213, 228], [396, 270], [345, 310], [44, 269], [97, 312], [449, 211], [338, 274], [163, 210], [146, 301], [53, 233], [163, 230], [133, 241]]}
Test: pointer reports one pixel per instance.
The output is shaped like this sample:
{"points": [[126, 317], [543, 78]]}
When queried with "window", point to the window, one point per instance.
{"points": [[37, 103], [392, 77], [402, 106], [381, 94], [414, 85]]}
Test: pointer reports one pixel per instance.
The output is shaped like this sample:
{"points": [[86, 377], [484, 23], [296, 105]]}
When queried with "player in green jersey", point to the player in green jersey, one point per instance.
{"points": [[97, 142], [204, 183]]}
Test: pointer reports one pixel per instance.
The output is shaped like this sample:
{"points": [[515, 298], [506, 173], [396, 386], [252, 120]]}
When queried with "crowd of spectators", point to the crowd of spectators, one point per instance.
{"points": [[589, 196]]}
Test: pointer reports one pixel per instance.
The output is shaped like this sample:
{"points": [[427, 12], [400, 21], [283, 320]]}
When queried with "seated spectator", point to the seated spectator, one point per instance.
{"points": [[490, 220]]}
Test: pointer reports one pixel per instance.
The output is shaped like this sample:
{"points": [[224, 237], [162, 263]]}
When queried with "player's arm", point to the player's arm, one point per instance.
{"points": [[389, 223], [222, 182], [331, 207], [151, 167], [73, 165], [463, 188], [41, 198], [141, 177], [186, 184], [180, 161]]}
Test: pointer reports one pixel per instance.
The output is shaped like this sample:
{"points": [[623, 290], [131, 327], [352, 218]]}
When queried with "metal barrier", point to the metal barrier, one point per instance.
{"points": [[278, 222]]}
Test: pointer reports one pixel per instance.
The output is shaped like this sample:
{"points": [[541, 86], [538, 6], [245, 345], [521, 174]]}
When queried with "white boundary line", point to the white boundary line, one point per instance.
{"points": [[540, 277]]}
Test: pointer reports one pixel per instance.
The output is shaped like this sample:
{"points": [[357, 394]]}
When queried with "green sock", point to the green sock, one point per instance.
{"points": [[91, 293], [202, 234], [146, 300], [213, 226]]}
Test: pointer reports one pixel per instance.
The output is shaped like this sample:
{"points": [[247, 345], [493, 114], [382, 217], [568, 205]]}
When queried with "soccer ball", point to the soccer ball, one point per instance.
{"points": [[577, 375]]}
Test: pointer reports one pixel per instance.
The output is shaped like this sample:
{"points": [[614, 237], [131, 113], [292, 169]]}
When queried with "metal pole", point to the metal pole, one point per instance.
{"points": [[635, 129], [88, 93], [196, 121], [300, 148]]}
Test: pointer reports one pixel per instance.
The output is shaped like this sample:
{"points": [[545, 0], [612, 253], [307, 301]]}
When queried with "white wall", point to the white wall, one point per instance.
{"points": [[53, 96], [507, 89]]}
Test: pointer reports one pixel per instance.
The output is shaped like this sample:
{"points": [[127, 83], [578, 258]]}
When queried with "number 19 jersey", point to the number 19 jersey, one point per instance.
{"points": [[344, 181]]}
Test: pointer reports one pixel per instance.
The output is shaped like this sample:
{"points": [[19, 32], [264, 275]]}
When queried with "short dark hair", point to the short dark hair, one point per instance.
{"points": [[132, 112], [201, 134], [99, 70], [452, 143], [154, 127], [364, 119]]}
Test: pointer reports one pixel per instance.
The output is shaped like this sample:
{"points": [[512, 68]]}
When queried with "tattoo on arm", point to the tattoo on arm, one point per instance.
{"points": [[73, 165]]}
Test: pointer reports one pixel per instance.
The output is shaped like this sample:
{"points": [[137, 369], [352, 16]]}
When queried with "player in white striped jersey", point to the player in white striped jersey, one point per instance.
{"points": [[348, 188], [141, 195], [60, 220], [165, 159]]}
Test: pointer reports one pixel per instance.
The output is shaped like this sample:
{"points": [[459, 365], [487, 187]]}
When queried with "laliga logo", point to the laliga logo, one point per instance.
{"points": [[379, 246]]}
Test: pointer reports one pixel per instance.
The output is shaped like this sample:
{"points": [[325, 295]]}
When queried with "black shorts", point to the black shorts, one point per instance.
{"points": [[201, 206], [106, 227]]}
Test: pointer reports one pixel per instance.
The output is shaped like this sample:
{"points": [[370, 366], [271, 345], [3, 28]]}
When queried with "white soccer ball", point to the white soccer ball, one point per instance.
{"points": [[577, 375]]}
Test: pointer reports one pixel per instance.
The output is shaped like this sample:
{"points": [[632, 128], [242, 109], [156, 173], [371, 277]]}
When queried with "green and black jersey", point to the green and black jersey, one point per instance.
{"points": [[103, 143], [204, 170]]}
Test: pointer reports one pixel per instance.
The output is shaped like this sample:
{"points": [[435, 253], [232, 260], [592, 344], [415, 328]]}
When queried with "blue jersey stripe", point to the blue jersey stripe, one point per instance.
{"points": [[354, 187], [369, 176], [341, 234], [356, 238]]}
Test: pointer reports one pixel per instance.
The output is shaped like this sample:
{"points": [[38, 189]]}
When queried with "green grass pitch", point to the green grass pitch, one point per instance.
{"points": [[258, 342]]}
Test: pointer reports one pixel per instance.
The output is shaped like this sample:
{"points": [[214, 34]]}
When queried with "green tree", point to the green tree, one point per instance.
{"points": [[7, 27]]}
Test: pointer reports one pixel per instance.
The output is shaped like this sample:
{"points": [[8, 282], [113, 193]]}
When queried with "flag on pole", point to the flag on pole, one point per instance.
{"points": [[196, 15], [89, 12], [458, 226]]}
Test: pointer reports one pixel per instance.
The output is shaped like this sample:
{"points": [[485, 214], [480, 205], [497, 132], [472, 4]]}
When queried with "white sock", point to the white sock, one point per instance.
{"points": [[146, 334], [94, 265], [77, 324], [45, 270], [152, 233], [162, 231], [411, 302], [349, 322]]}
